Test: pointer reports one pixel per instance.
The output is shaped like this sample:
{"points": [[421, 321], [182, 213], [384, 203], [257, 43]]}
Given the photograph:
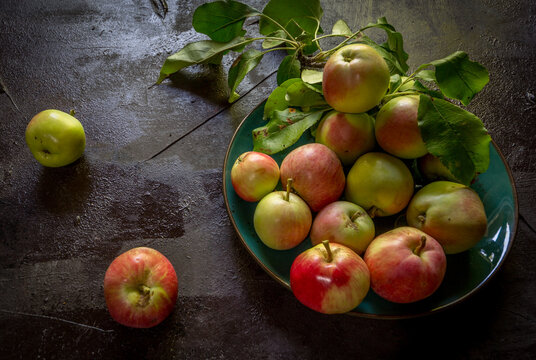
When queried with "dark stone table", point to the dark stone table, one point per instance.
{"points": [[152, 175]]}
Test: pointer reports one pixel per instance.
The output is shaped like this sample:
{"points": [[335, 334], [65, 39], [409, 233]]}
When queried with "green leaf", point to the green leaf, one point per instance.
{"points": [[246, 62], [277, 99], [426, 75], [389, 56], [312, 76], [222, 21], [460, 78], [283, 130], [288, 69], [315, 87], [456, 136], [394, 43], [270, 43], [200, 52], [418, 86], [306, 14], [341, 28], [298, 94], [304, 30], [394, 83]]}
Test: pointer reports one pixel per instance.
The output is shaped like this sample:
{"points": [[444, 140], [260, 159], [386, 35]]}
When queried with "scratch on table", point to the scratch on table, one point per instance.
{"points": [[160, 7], [209, 118], [56, 319], [529, 225], [526, 317], [33, 276], [3, 88]]}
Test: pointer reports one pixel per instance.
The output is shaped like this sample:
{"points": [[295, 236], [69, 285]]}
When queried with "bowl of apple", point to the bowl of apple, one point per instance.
{"points": [[367, 211]]}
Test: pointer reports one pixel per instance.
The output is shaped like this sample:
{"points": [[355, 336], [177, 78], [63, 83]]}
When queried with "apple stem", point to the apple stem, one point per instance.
{"points": [[421, 219], [289, 185], [372, 211], [356, 215], [328, 250], [421, 246]]}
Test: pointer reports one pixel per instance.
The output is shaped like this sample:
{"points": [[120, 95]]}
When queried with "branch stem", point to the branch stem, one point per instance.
{"points": [[278, 25]]}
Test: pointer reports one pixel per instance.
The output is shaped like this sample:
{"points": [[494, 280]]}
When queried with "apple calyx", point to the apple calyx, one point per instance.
{"points": [[328, 251], [145, 295], [289, 186], [421, 246], [421, 218]]}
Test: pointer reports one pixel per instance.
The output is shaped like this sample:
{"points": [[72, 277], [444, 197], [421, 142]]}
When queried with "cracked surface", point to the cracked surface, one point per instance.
{"points": [[151, 175]]}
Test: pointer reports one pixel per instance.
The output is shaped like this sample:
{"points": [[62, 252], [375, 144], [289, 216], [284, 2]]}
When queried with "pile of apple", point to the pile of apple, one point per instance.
{"points": [[354, 172]]}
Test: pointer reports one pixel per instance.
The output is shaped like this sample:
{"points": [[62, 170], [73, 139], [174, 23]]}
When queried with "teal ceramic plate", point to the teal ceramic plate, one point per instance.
{"points": [[466, 272]]}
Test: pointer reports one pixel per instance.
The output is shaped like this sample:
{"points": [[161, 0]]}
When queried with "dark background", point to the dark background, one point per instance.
{"points": [[60, 228]]}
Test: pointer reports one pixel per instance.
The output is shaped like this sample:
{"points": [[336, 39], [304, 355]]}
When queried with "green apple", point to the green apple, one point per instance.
{"points": [[55, 138], [451, 213], [282, 220], [380, 183]]}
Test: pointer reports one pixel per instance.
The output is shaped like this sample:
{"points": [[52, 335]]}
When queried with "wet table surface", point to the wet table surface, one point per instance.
{"points": [[151, 176]]}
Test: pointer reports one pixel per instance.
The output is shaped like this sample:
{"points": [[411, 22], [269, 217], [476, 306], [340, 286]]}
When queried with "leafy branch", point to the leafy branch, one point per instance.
{"points": [[453, 134]]}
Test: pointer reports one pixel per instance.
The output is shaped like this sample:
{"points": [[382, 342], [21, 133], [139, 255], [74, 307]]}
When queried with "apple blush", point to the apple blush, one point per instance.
{"points": [[405, 264], [317, 174], [254, 175], [329, 278]]}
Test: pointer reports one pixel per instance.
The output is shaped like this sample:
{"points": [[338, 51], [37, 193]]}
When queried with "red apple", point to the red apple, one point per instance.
{"points": [[282, 220], [397, 130], [355, 79], [140, 288], [317, 173], [348, 135], [405, 264], [380, 183], [452, 213], [329, 278], [254, 175], [345, 223]]}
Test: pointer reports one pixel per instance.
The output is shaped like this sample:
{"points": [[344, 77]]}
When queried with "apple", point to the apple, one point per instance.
{"points": [[282, 220], [397, 130], [355, 78], [329, 278], [348, 135], [380, 183], [432, 169], [254, 175], [405, 264], [317, 174], [345, 223], [140, 288], [451, 213], [55, 138]]}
